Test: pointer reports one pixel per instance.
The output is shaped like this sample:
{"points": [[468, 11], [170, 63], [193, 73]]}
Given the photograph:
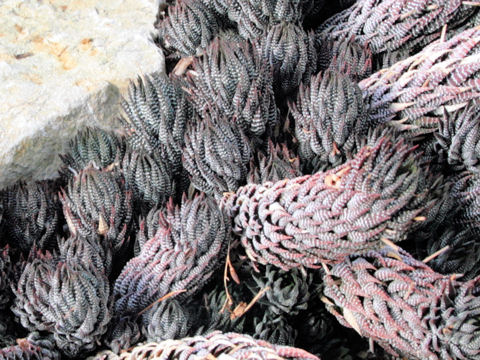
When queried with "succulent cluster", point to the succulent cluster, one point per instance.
{"points": [[253, 202], [405, 306]]}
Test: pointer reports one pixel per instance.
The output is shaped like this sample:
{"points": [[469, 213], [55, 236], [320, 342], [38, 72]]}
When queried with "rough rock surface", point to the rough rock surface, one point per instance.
{"points": [[63, 65]]}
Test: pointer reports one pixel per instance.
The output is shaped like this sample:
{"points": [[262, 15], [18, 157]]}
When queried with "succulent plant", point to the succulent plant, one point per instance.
{"points": [[405, 306], [465, 193], [288, 291], [233, 80], [32, 304], [347, 57], [387, 25], [216, 155], [274, 329], [411, 94], [462, 255], [291, 52], [329, 114], [79, 307], [5, 275], [279, 163], [187, 27], [34, 347], [149, 176], [157, 112], [236, 346], [32, 215], [458, 139], [123, 333], [96, 202], [92, 147], [87, 252], [322, 218], [68, 300], [183, 254], [166, 320]]}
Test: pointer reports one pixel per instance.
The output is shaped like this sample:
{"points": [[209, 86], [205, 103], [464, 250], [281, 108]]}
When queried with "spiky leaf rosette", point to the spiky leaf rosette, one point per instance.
{"points": [[96, 202], [168, 319], [122, 334], [411, 94], [387, 25], [234, 80], [156, 115], [287, 291], [459, 138], [346, 56], [149, 176], [279, 163], [79, 307], [275, 329], [87, 252], [253, 17], [329, 113], [291, 52], [405, 306], [216, 155], [34, 347], [215, 344], [188, 27], [5, 273], [213, 307], [462, 255], [466, 195], [182, 256], [92, 147], [31, 215], [324, 217], [32, 304]]}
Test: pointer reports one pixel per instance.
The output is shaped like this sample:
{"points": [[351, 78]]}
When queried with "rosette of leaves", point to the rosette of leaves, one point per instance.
{"points": [[279, 163], [274, 328], [405, 306], [32, 304], [324, 217], [147, 229], [213, 306], [97, 202], [188, 26], [5, 273], [32, 215], [346, 56], [329, 114], [216, 344], [411, 94], [92, 147], [466, 196], [123, 333], [33, 347], [287, 291], [87, 252], [168, 319], [292, 54], [462, 255], [216, 155], [149, 176], [253, 17], [458, 139], [387, 25], [157, 112], [79, 307], [234, 80], [184, 253]]}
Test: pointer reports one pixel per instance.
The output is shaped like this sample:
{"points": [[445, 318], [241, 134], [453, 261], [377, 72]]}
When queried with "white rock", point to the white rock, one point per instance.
{"points": [[63, 65]]}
